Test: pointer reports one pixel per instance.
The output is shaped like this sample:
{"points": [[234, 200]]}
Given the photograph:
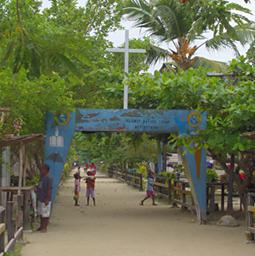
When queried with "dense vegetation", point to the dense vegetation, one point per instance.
{"points": [[55, 60]]}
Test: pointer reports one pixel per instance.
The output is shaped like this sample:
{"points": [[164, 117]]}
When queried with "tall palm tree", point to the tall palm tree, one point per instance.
{"points": [[179, 23]]}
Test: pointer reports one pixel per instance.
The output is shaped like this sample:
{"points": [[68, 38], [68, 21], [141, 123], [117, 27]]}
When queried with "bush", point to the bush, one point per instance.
{"points": [[211, 175]]}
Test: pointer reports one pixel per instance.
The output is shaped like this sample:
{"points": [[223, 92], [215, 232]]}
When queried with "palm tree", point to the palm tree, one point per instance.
{"points": [[179, 23]]}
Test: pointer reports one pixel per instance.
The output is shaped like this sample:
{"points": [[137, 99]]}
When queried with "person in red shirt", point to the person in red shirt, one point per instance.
{"points": [[90, 191], [93, 168]]}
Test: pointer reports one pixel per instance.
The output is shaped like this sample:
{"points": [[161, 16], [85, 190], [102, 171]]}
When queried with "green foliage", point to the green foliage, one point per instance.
{"points": [[56, 39], [116, 148], [167, 175], [211, 175], [16, 251], [55, 59], [34, 181], [229, 105], [31, 99]]}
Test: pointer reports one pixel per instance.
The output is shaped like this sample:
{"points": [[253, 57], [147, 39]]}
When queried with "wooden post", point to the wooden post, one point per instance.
{"points": [[26, 210], [2, 235], [9, 220], [19, 212], [160, 188], [21, 156], [141, 181], [207, 194], [211, 195], [125, 177], [25, 168], [250, 213], [222, 197], [183, 195], [249, 216], [169, 190], [174, 204], [164, 146]]}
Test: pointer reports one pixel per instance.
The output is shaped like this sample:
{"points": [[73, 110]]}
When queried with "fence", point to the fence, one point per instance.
{"points": [[10, 228], [211, 195], [133, 179], [177, 192], [251, 217], [14, 218]]}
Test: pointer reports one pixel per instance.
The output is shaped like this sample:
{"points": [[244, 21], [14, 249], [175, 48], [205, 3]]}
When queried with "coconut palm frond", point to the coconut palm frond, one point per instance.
{"points": [[240, 19], [217, 42], [163, 19], [237, 7], [246, 33], [140, 11], [155, 53], [146, 17], [243, 34], [68, 64], [196, 30], [8, 52]]}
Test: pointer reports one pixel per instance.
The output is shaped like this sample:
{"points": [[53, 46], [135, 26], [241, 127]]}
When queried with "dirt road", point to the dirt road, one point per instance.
{"points": [[118, 226]]}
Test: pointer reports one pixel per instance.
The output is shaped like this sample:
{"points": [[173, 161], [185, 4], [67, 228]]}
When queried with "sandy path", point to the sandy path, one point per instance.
{"points": [[119, 226]]}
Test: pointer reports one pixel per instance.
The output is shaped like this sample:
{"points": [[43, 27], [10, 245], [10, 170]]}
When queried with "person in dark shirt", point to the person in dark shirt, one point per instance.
{"points": [[44, 190]]}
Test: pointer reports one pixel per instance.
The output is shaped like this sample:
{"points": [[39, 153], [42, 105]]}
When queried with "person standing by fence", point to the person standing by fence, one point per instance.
{"points": [[44, 198]]}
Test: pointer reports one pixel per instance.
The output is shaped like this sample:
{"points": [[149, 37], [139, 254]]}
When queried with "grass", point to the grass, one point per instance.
{"points": [[16, 251]]}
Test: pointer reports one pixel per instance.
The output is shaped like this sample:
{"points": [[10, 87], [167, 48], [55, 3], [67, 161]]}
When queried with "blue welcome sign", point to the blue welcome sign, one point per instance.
{"points": [[151, 121], [185, 122]]}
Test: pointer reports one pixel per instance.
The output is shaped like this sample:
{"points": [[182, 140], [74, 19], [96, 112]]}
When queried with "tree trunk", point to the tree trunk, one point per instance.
{"points": [[231, 184], [164, 155]]}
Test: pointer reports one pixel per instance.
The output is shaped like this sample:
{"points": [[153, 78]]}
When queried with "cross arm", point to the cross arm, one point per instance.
{"points": [[125, 50], [137, 51], [115, 49]]}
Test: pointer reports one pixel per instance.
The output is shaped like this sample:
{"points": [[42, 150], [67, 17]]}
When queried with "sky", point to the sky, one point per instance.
{"points": [[118, 36]]}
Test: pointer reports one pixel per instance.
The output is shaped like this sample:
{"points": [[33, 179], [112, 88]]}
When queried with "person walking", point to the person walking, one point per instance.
{"points": [[150, 192]]}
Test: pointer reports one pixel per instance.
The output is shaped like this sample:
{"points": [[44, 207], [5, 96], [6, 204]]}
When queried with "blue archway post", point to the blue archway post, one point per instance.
{"points": [[194, 160], [59, 133], [195, 166]]}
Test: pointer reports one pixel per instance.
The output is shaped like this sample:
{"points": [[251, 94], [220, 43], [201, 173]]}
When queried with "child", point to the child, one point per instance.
{"points": [[150, 193], [93, 168], [90, 181], [77, 188]]}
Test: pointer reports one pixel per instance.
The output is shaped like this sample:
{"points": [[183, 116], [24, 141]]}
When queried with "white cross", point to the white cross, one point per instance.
{"points": [[126, 50]]}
